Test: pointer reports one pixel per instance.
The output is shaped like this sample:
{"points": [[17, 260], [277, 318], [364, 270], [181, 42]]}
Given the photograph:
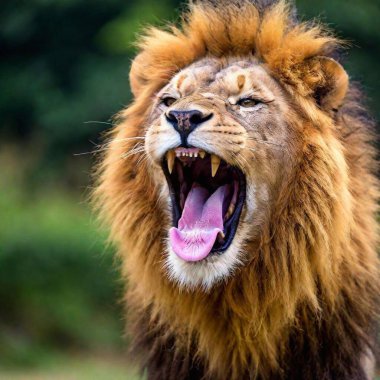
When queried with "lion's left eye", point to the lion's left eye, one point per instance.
{"points": [[168, 101], [247, 102]]}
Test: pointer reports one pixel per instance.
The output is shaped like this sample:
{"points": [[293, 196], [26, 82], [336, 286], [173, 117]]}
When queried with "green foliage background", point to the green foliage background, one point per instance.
{"points": [[63, 74]]}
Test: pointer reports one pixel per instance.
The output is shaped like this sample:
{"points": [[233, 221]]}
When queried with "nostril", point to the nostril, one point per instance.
{"points": [[171, 116], [198, 117]]}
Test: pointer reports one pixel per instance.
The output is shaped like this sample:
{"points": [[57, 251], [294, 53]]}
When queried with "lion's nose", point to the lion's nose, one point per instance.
{"points": [[184, 122]]}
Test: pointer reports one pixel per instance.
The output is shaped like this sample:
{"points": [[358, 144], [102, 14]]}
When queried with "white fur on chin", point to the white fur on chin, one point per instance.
{"points": [[205, 273], [217, 267]]}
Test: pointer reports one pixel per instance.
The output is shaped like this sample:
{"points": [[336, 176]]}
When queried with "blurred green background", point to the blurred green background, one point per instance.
{"points": [[63, 74]]}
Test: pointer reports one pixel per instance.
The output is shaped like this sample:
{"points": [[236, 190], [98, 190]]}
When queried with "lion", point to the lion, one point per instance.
{"points": [[240, 190]]}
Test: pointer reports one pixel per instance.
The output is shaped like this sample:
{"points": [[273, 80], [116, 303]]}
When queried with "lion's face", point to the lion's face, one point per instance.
{"points": [[220, 145]]}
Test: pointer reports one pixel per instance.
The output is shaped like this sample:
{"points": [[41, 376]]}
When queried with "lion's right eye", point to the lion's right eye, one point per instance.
{"points": [[168, 101]]}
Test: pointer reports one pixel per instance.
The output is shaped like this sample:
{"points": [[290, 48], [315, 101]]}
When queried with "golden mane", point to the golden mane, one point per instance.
{"points": [[316, 267]]}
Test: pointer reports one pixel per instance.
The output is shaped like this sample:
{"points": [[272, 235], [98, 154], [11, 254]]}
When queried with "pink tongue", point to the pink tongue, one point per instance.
{"points": [[201, 221]]}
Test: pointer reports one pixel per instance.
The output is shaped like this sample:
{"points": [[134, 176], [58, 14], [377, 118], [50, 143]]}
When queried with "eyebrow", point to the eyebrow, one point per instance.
{"points": [[180, 81], [240, 81], [261, 93]]}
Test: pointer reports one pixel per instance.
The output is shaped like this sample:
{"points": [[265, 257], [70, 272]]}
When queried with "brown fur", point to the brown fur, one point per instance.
{"points": [[304, 306]]}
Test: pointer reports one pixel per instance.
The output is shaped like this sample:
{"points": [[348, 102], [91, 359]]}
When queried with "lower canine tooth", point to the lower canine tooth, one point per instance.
{"points": [[220, 237], [170, 156], [230, 211], [215, 162]]}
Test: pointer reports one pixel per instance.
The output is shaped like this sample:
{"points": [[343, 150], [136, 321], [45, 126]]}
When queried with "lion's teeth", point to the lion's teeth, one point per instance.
{"points": [[170, 157], [221, 237], [230, 211], [202, 154], [215, 162]]}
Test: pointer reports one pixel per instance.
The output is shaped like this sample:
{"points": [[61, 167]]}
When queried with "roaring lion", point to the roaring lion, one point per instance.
{"points": [[240, 189]]}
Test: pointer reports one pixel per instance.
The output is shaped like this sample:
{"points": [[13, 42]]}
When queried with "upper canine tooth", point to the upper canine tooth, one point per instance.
{"points": [[215, 162], [170, 157], [202, 154]]}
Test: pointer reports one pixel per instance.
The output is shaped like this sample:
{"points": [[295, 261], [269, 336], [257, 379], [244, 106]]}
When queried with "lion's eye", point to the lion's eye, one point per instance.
{"points": [[247, 102], [168, 101]]}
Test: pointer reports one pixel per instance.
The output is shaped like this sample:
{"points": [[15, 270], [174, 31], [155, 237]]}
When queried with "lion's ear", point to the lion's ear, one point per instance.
{"points": [[136, 77], [328, 82]]}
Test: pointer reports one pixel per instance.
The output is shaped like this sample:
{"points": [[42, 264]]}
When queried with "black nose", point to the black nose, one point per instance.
{"points": [[184, 122]]}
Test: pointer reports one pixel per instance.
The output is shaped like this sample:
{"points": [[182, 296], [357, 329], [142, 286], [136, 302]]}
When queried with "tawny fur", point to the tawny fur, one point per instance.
{"points": [[304, 306]]}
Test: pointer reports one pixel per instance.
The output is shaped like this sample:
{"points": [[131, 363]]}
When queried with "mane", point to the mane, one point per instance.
{"points": [[315, 266], [235, 28]]}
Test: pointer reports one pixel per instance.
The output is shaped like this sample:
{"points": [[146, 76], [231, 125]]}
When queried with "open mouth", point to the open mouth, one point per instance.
{"points": [[207, 196]]}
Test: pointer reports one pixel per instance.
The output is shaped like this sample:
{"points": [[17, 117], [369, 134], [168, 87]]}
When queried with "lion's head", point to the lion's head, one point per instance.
{"points": [[223, 136], [223, 129], [242, 167]]}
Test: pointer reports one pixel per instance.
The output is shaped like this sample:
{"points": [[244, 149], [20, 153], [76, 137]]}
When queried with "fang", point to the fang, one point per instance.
{"points": [[215, 162], [170, 158]]}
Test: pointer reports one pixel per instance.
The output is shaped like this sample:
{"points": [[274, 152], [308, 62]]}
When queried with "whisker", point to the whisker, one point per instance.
{"points": [[131, 153], [97, 150], [140, 161], [129, 138], [84, 153], [107, 146], [135, 150], [240, 157], [97, 122], [138, 148]]}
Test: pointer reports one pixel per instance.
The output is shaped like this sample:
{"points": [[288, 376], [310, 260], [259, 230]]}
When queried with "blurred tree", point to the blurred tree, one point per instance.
{"points": [[61, 69]]}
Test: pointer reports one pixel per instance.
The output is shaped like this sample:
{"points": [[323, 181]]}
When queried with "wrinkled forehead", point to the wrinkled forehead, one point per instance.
{"points": [[221, 77]]}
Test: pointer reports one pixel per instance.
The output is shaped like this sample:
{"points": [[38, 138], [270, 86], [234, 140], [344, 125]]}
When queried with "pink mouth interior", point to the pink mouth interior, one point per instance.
{"points": [[201, 222], [204, 199]]}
